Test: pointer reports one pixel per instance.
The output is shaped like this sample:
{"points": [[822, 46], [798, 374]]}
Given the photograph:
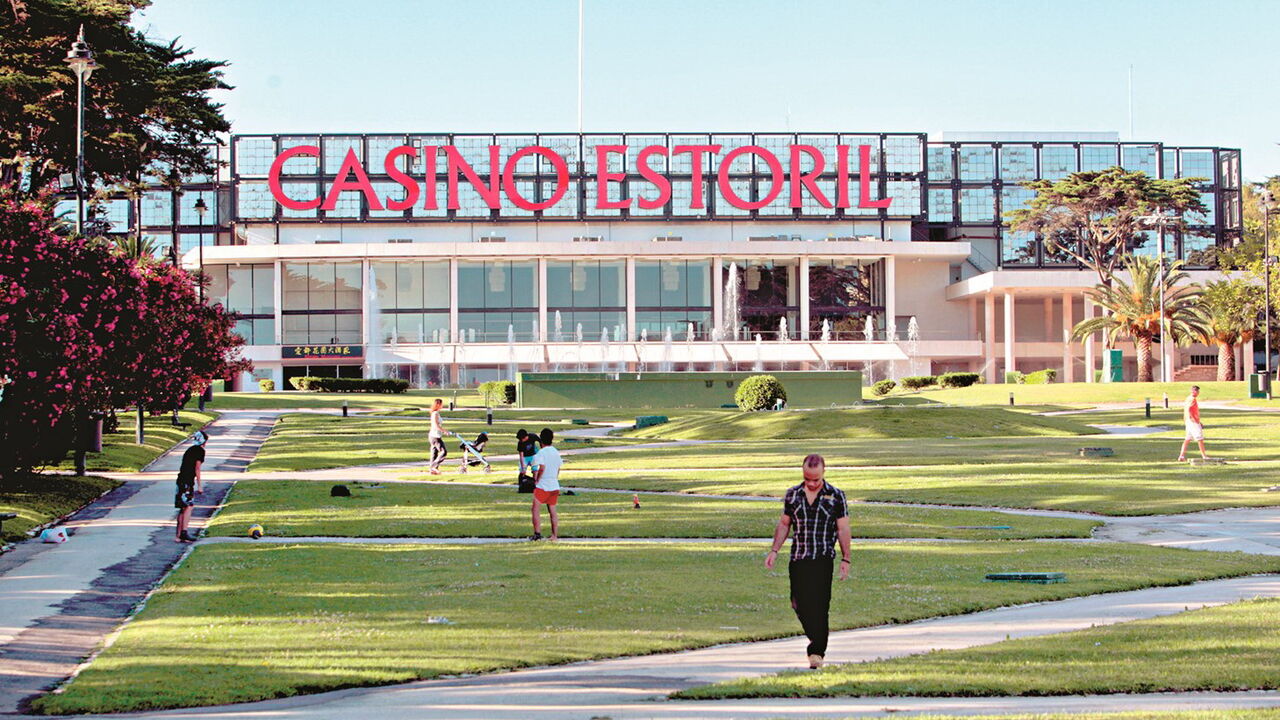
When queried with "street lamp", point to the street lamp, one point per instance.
{"points": [[201, 209], [80, 58], [1267, 203], [1160, 220]]}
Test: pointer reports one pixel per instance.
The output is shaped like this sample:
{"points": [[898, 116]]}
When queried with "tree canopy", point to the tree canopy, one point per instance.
{"points": [[148, 103], [1095, 216], [1231, 309]]}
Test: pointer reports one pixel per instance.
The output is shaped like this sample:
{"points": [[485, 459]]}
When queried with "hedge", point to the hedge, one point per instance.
{"points": [[883, 387], [959, 379], [915, 382], [369, 385], [1040, 377], [1013, 377], [759, 392], [498, 392]]}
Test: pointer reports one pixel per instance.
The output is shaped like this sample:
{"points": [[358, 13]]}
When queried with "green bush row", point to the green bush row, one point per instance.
{"points": [[959, 379], [369, 385], [915, 382], [1040, 377], [759, 392], [883, 387], [498, 392]]}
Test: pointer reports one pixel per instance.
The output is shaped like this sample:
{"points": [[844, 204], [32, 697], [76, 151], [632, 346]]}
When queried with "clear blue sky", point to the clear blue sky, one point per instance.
{"points": [[1204, 72]]}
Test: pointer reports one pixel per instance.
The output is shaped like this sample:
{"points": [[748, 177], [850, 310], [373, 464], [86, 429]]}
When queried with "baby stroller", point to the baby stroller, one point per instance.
{"points": [[475, 450]]}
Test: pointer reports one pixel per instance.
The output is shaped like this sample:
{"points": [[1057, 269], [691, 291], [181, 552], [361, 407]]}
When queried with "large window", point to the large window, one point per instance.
{"points": [[768, 293], [498, 299], [670, 294], [412, 300], [587, 293], [248, 290], [322, 302], [842, 295]]}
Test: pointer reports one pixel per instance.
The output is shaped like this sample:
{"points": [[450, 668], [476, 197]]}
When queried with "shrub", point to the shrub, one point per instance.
{"points": [[369, 385], [915, 382], [498, 392], [883, 387], [959, 379], [1013, 377], [301, 383], [759, 392], [1041, 377], [267, 385]]}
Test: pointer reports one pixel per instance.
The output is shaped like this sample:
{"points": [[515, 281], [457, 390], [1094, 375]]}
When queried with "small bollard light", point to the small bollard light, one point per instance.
{"points": [[450, 406], [1166, 401], [1148, 408], [344, 408], [488, 417], [1010, 399]]}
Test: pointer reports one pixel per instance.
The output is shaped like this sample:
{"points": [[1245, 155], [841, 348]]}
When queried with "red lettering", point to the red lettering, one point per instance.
{"points": [[351, 166], [842, 176], [509, 177], [604, 177], [429, 177], [273, 178], [806, 180], [696, 196], [775, 169], [457, 165], [864, 180], [395, 173], [660, 181]]}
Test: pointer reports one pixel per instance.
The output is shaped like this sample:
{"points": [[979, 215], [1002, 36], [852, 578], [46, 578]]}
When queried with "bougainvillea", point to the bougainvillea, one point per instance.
{"points": [[85, 329]]}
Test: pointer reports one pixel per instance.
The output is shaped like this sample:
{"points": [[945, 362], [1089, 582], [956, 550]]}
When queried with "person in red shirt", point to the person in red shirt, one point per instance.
{"points": [[1195, 428]]}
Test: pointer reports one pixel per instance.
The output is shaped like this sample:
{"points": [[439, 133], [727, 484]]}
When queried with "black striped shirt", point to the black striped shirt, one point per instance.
{"points": [[814, 525]]}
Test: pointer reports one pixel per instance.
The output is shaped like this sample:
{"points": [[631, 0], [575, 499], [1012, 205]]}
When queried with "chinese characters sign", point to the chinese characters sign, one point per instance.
{"points": [[321, 352]]}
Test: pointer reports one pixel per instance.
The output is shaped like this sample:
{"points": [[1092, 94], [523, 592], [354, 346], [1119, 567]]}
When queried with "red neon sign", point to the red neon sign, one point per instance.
{"points": [[499, 180]]}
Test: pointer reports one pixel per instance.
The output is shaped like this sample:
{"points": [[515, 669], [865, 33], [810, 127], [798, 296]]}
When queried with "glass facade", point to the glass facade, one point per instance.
{"points": [[497, 300], [249, 291], [843, 294], [412, 300], [671, 294], [591, 294], [322, 302]]}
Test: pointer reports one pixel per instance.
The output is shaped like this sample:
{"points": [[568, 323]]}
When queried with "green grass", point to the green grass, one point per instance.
{"points": [[874, 422], [1084, 394], [121, 454], [310, 442], [1228, 648], [303, 509], [38, 499], [297, 400], [259, 621]]}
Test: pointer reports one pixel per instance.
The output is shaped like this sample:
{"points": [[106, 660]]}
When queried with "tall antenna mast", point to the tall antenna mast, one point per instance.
{"points": [[1130, 102]]}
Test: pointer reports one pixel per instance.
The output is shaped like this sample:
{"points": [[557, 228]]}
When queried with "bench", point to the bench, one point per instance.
{"points": [[1088, 452], [174, 421], [1208, 461], [1040, 578]]}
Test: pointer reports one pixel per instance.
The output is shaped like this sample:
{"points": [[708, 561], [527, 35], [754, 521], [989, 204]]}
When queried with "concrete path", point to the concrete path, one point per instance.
{"points": [[1250, 530], [58, 602], [635, 687]]}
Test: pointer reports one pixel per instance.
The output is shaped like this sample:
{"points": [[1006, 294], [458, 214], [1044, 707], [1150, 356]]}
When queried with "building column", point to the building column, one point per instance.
{"points": [[989, 337], [1088, 342], [630, 271], [542, 300], [453, 305], [1068, 322], [1010, 363], [366, 317], [890, 294], [973, 317], [277, 297], [804, 297], [1048, 318]]}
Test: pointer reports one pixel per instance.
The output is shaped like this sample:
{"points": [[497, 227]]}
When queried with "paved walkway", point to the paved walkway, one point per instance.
{"points": [[59, 602]]}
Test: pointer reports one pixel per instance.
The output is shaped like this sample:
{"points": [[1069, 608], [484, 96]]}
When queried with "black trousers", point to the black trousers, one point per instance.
{"points": [[811, 599]]}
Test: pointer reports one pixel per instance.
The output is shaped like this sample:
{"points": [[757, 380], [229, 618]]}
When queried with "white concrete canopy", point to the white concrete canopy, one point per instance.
{"points": [[771, 352], [859, 352], [652, 353], [494, 354], [570, 353]]}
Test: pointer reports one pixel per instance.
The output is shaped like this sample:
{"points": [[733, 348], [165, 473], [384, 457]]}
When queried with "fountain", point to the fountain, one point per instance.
{"points": [[732, 303], [511, 353], [459, 340], [665, 366], [759, 355], [373, 365], [644, 338], [422, 366], [783, 335], [578, 336], [869, 330], [557, 335], [891, 330], [826, 338], [604, 350], [913, 342]]}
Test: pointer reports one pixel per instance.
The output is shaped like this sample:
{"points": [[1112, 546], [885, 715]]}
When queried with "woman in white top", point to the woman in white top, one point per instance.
{"points": [[438, 450]]}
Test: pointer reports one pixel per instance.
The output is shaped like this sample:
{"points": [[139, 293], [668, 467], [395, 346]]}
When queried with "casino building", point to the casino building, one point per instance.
{"points": [[457, 258]]}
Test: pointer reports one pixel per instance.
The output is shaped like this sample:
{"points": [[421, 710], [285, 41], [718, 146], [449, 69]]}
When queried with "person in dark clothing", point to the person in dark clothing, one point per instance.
{"points": [[188, 480], [526, 447], [819, 514]]}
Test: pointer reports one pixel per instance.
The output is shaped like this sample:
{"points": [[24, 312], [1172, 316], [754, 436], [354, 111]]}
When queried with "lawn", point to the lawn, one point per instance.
{"points": [[302, 509], [309, 442], [297, 400], [260, 621], [121, 454], [1227, 648], [1084, 394], [872, 422], [38, 499]]}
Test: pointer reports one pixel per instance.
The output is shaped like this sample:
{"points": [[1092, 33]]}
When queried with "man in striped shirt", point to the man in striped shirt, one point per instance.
{"points": [[820, 515]]}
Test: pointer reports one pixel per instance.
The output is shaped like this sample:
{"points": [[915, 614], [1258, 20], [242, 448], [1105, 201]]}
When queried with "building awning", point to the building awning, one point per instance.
{"points": [[569, 354], [681, 352], [859, 351], [771, 352], [488, 354]]}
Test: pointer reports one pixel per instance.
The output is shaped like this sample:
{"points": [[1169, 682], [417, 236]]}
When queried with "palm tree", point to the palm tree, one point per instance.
{"points": [[1132, 308], [137, 246], [1232, 308]]}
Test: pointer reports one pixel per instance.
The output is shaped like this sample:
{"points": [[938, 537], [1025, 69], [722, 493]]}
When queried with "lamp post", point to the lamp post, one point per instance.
{"points": [[1267, 202], [80, 58], [1160, 220], [201, 209]]}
